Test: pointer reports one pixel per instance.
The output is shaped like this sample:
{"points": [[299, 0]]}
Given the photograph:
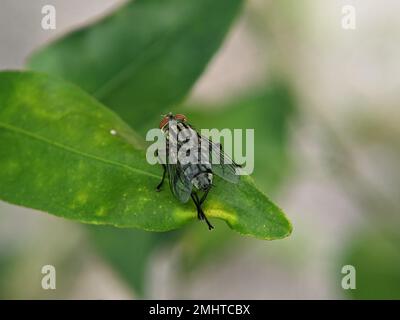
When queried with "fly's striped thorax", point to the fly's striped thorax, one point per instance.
{"points": [[178, 134]]}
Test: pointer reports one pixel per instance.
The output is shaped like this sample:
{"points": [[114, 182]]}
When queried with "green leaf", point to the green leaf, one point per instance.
{"points": [[57, 155], [145, 56]]}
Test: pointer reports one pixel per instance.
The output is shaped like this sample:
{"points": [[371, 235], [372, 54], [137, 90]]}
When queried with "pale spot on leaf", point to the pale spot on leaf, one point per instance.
{"points": [[101, 212], [82, 197]]}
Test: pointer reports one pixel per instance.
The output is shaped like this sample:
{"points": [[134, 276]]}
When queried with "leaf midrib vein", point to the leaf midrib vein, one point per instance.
{"points": [[72, 150]]}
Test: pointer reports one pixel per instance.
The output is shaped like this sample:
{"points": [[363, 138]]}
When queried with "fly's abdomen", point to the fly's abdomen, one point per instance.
{"points": [[200, 175], [189, 159]]}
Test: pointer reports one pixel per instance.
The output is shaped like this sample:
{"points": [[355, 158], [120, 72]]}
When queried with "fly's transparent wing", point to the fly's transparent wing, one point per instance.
{"points": [[180, 185], [222, 165]]}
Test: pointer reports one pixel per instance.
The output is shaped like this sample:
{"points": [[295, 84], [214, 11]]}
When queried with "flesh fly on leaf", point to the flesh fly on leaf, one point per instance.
{"points": [[190, 161]]}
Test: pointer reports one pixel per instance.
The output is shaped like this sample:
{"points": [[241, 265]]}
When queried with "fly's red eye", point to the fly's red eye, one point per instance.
{"points": [[164, 121], [181, 117]]}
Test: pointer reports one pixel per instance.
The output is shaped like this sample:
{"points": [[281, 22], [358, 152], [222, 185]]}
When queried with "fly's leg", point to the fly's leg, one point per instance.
{"points": [[210, 226], [196, 202], [200, 212], [162, 180], [203, 198]]}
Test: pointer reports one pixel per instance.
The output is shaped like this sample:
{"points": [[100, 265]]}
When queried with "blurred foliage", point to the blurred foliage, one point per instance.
{"points": [[374, 250], [139, 68], [6, 267], [129, 251], [376, 258], [198, 249], [22, 259]]}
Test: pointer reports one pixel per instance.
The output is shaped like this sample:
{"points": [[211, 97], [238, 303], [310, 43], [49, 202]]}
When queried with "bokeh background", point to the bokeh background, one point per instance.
{"points": [[323, 101]]}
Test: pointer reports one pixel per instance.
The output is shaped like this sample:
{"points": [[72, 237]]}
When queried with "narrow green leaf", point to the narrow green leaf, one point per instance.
{"points": [[57, 155], [145, 56]]}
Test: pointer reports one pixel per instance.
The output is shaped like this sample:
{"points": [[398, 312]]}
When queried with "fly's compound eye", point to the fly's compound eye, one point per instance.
{"points": [[164, 121], [181, 117]]}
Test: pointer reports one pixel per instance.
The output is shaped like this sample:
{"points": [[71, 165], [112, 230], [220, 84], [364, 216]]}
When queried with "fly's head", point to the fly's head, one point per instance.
{"points": [[169, 116]]}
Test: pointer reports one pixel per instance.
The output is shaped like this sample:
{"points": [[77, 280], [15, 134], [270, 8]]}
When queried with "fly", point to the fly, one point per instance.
{"points": [[192, 177]]}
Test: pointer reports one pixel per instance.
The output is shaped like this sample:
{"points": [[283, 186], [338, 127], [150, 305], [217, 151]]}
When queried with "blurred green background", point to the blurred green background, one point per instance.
{"points": [[323, 103]]}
